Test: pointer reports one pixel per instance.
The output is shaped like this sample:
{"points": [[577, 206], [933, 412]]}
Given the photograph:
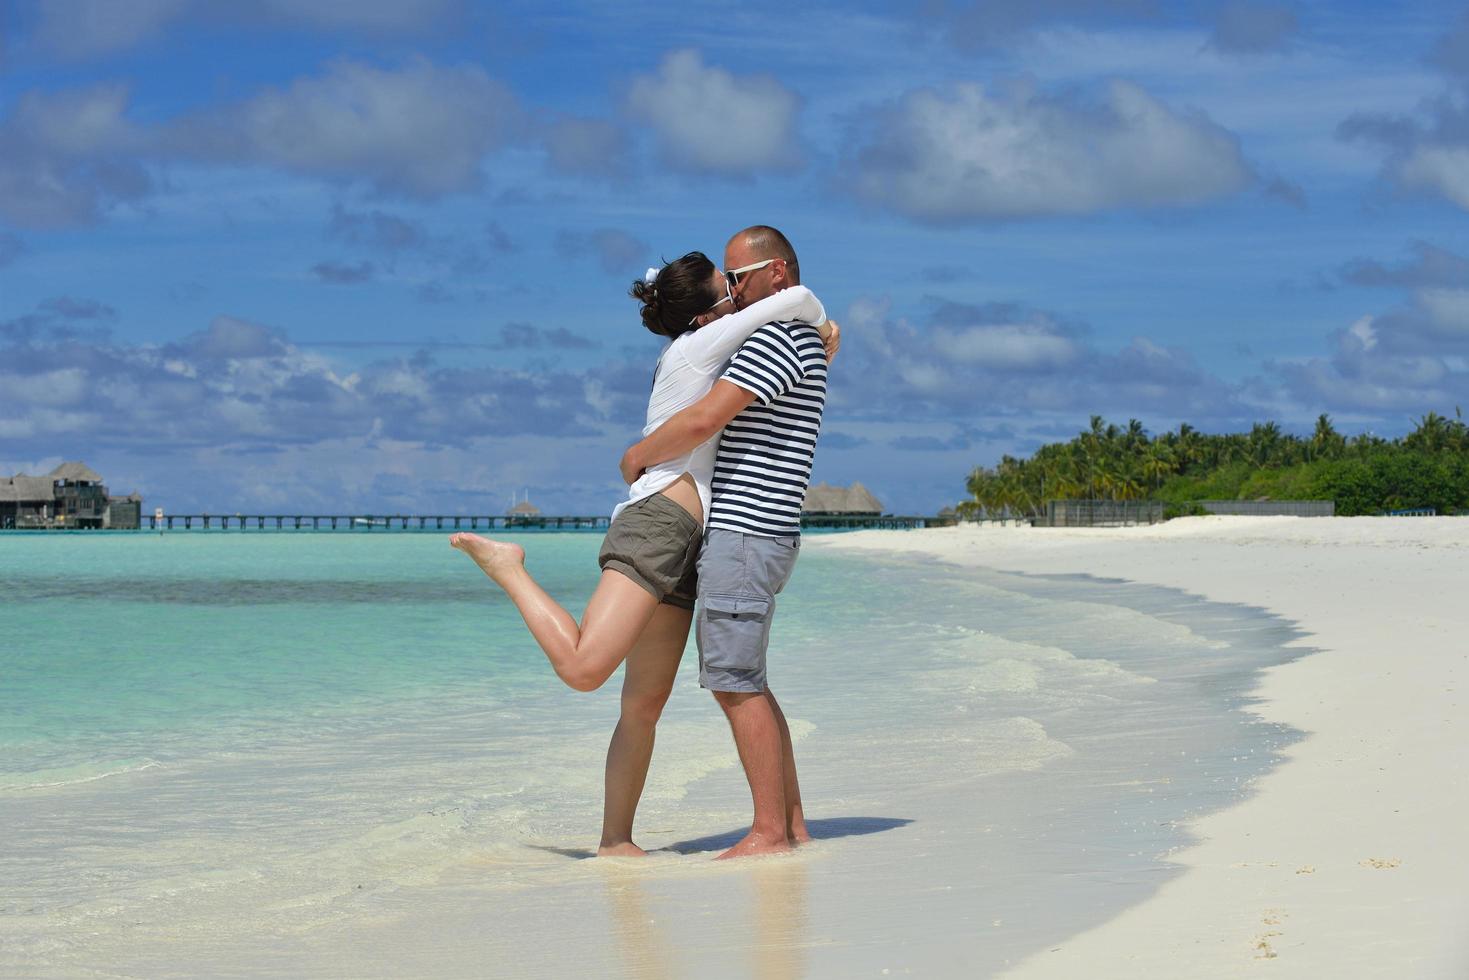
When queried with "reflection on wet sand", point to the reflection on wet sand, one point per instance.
{"points": [[642, 943], [772, 927], [779, 934]]}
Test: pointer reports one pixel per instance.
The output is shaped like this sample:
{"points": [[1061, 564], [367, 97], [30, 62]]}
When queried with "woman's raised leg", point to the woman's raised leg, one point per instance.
{"points": [[651, 667], [583, 656]]}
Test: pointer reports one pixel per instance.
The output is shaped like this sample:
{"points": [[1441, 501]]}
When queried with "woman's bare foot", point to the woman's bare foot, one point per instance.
{"points": [[754, 844], [626, 849], [496, 557]]}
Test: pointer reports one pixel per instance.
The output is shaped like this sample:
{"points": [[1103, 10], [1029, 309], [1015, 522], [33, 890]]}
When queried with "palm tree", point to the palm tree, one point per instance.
{"points": [[1064, 480], [1136, 434], [1158, 463], [1264, 443], [1108, 479], [1326, 442], [1431, 435], [1188, 446], [983, 489]]}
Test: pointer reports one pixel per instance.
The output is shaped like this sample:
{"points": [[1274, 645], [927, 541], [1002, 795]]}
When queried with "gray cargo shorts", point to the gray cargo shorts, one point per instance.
{"points": [[739, 577]]}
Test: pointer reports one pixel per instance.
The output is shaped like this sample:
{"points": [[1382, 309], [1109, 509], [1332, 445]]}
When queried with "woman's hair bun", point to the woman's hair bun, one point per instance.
{"points": [[652, 312], [681, 291]]}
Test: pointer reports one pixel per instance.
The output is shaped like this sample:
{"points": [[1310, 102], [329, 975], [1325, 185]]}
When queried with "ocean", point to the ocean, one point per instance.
{"points": [[341, 754]]}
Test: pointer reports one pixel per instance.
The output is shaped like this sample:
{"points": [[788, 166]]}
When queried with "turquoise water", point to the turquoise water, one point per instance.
{"points": [[268, 735], [142, 645]]}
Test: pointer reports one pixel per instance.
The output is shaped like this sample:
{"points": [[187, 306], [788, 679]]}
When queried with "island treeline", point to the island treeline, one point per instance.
{"points": [[1363, 474]]}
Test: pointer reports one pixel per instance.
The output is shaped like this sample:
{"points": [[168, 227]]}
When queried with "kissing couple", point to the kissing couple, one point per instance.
{"points": [[712, 523]]}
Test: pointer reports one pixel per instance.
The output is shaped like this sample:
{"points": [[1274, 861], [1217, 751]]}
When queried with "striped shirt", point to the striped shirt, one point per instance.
{"points": [[765, 453]]}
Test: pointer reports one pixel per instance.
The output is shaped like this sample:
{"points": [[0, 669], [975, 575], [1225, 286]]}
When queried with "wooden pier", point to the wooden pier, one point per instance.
{"points": [[461, 522], [368, 522]]}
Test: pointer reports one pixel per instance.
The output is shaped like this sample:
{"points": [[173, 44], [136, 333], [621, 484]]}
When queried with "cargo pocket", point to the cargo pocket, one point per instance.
{"points": [[732, 631]]}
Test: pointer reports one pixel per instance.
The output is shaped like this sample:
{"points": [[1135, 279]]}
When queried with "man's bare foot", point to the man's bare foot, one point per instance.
{"points": [[495, 557], [754, 844], [626, 849], [799, 834]]}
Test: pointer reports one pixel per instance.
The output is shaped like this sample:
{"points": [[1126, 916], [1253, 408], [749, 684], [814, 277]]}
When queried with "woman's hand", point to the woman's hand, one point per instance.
{"points": [[831, 338], [632, 470]]}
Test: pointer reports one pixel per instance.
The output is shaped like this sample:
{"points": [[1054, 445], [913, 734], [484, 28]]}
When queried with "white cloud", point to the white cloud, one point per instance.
{"points": [[1448, 309], [1440, 168], [967, 154], [969, 361], [709, 120], [1428, 151], [243, 384], [1006, 346], [86, 28], [1363, 332], [1394, 385], [63, 386], [1407, 359], [67, 156], [420, 129]]}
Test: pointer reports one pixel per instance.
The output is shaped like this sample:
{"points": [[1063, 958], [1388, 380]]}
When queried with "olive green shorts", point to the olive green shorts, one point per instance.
{"points": [[655, 542]]}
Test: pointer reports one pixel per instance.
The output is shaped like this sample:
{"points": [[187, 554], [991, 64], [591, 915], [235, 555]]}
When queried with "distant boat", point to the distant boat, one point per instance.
{"points": [[368, 522]]}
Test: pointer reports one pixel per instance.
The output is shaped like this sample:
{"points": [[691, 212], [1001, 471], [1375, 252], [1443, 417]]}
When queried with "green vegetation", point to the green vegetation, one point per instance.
{"points": [[1365, 474]]}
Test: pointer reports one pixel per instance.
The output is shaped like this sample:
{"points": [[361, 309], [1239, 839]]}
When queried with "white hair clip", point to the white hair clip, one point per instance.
{"points": [[651, 276]]}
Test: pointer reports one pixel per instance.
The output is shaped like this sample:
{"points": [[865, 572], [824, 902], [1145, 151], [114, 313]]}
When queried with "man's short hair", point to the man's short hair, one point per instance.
{"points": [[768, 243]]}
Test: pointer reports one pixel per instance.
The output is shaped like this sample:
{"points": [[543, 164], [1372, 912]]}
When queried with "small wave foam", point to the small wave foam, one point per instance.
{"points": [[73, 775]]}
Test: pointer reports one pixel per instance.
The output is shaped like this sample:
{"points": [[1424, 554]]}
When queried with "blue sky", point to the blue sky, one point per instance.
{"points": [[373, 256]]}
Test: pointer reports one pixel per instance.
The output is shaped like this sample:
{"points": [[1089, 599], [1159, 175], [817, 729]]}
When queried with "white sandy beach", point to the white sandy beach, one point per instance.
{"points": [[1350, 859]]}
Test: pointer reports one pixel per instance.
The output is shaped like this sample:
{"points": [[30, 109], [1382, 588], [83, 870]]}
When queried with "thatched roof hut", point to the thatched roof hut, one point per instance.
{"points": [[75, 473], [525, 509], [822, 498], [26, 488]]}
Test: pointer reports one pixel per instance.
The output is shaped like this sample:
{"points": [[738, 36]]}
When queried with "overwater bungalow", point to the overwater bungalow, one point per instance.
{"points": [[525, 514], [71, 496]]}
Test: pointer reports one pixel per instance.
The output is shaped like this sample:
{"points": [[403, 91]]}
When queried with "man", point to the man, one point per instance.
{"points": [[769, 403]]}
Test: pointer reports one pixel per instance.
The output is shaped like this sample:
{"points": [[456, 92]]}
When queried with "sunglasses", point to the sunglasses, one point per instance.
{"points": [[732, 276], [728, 298]]}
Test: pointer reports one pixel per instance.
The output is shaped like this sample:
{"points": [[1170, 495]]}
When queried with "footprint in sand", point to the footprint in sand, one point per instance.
{"points": [[1381, 864], [1263, 949]]}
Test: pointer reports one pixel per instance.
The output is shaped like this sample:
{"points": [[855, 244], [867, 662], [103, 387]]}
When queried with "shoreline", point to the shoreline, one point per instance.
{"points": [[1346, 859]]}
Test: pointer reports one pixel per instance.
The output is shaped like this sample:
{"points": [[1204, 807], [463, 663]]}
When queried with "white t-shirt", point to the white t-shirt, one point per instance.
{"points": [[691, 364]]}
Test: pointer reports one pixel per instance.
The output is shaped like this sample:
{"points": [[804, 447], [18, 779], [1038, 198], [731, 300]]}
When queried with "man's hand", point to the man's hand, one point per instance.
{"points": [[631, 468], [831, 338], [691, 427]]}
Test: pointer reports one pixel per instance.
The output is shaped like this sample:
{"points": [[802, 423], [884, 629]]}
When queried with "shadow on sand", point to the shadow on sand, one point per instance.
{"points": [[825, 829], [829, 828]]}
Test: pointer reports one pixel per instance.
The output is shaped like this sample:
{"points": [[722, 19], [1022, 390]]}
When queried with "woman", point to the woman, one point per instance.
{"points": [[643, 605]]}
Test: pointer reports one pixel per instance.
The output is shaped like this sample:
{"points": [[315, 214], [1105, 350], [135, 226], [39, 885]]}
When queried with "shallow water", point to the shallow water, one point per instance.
{"points": [[232, 749]]}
